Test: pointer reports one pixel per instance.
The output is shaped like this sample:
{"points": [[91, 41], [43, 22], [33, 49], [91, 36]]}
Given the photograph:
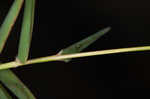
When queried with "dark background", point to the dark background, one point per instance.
{"points": [[60, 23]]}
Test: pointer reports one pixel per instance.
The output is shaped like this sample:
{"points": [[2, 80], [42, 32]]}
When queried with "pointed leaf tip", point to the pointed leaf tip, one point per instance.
{"points": [[107, 29], [81, 45]]}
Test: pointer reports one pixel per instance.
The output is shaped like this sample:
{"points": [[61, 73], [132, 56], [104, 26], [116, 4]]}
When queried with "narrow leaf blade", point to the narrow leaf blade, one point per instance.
{"points": [[3, 93], [26, 31], [13, 83], [81, 45], [9, 22]]}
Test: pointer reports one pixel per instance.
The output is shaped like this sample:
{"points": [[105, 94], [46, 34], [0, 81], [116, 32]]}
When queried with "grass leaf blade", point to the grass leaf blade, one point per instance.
{"points": [[9, 22], [26, 31], [3, 93], [81, 45], [13, 83]]}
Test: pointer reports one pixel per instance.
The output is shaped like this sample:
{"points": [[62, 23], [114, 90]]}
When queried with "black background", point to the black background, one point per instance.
{"points": [[60, 23]]}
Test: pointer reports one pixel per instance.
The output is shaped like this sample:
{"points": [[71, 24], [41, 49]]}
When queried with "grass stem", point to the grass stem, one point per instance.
{"points": [[15, 64]]}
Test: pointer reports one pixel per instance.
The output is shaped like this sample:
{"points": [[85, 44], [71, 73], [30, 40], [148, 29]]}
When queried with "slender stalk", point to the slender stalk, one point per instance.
{"points": [[15, 64]]}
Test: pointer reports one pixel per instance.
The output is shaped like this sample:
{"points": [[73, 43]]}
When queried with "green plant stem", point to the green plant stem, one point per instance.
{"points": [[15, 64]]}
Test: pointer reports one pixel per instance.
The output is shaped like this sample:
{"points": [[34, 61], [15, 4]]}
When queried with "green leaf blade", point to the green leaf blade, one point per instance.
{"points": [[3, 93], [9, 22], [26, 31], [13, 83], [81, 45]]}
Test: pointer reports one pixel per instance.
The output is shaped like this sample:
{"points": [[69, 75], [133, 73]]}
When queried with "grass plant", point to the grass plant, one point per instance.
{"points": [[10, 80]]}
